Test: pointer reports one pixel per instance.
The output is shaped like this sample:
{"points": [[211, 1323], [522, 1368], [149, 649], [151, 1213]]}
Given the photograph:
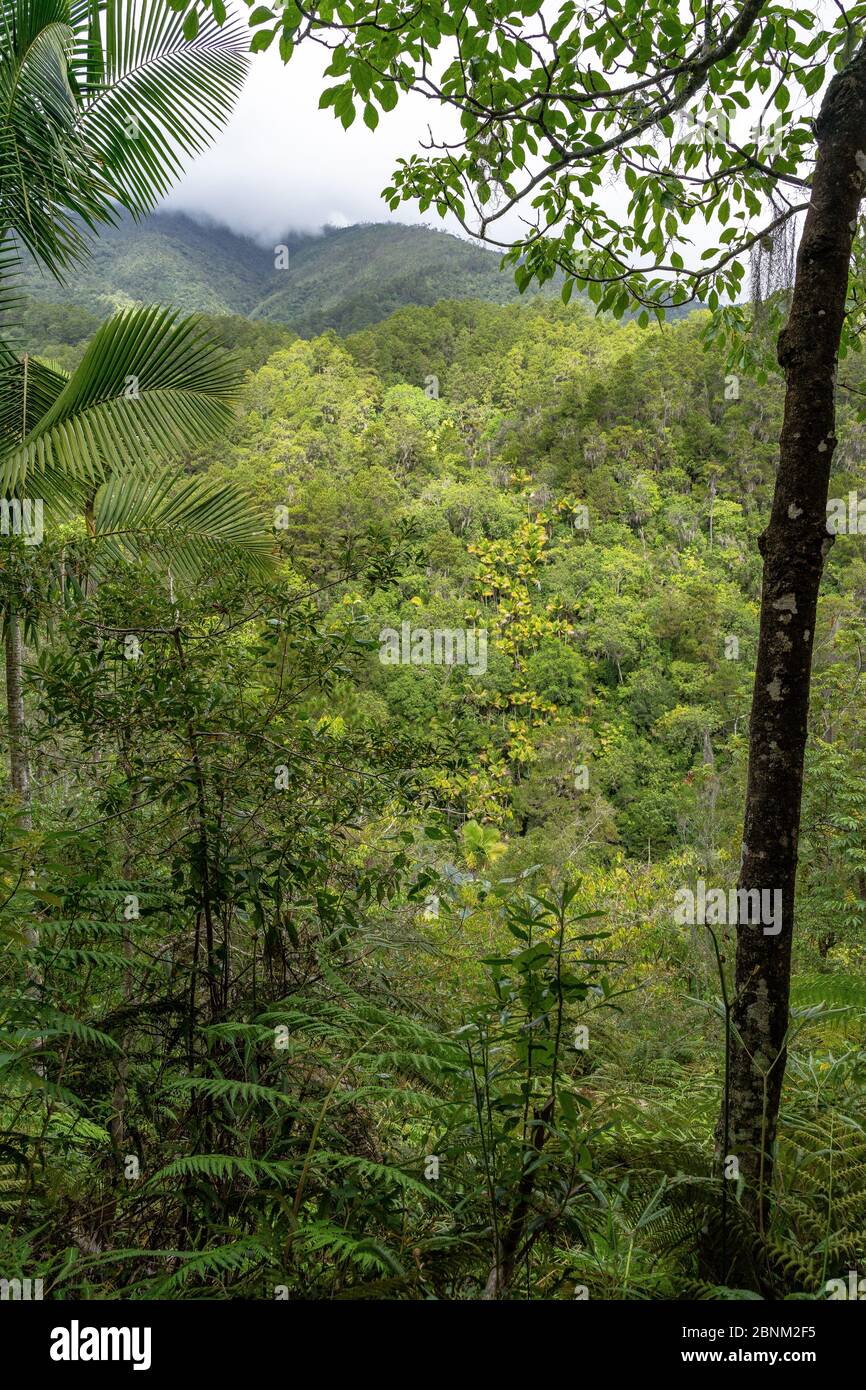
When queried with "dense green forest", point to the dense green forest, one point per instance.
{"points": [[415, 871], [432, 809]]}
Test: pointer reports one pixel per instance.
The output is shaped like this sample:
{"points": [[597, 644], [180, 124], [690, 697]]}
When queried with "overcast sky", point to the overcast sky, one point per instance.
{"points": [[283, 164]]}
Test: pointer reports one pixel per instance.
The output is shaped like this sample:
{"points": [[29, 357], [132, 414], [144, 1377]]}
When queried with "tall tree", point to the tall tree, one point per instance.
{"points": [[711, 112]]}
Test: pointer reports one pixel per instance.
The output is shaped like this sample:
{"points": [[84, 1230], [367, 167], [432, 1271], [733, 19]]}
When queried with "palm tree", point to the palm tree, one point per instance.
{"points": [[76, 451], [99, 102]]}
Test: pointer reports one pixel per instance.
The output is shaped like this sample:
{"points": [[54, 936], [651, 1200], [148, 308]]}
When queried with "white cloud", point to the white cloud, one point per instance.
{"points": [[282, 164]]}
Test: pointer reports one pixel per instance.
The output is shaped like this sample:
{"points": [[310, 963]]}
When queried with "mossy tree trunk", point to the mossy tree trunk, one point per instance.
{"points": [[794, 547]]}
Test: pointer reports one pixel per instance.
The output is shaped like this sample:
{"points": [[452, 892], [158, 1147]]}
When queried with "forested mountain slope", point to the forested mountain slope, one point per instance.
{"points": [[343, 278]]}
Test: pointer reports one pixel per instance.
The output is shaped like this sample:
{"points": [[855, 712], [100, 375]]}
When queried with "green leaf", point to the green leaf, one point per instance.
{"points": [[173, 82], [150, 384], [388, 96]]}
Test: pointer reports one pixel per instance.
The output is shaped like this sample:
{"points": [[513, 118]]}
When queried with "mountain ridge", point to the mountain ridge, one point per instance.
{"points": [[341, 278]]}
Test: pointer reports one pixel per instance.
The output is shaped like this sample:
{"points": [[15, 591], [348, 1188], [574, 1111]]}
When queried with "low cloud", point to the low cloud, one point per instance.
{"points": [[284, 165]]}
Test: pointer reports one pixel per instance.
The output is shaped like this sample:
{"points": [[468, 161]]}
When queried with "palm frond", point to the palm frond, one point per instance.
{"points": [[187, 523], [154, 85], [100, 102], [51, 190], [150, 385], [29, 389]]}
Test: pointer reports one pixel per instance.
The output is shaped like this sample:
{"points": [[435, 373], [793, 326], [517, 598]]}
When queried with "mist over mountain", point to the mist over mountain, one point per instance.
{"points": [[344, 278]]}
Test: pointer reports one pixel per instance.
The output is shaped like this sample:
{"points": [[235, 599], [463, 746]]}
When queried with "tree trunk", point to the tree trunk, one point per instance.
{"points": [[508, 1246], [19, 765], [19, 761], [794, 548], [117, 1123]]}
